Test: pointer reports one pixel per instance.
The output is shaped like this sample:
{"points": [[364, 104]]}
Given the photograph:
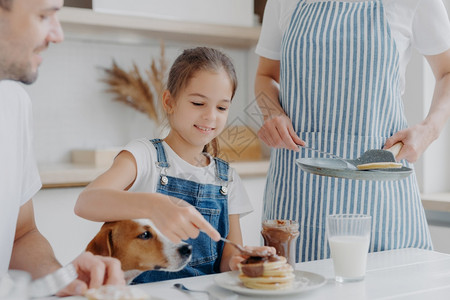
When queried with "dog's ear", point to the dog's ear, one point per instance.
{"points": [[102, 243]]}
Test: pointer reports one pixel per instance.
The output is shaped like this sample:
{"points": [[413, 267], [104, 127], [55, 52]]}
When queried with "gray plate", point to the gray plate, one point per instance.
{"points": [[336, 168]]}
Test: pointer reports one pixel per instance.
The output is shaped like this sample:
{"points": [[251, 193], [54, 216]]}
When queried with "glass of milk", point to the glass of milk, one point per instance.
{"points": [[349, 239]]}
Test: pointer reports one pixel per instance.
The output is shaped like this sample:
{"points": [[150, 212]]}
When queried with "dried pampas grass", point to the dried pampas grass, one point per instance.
{"points": [[157, 74], [130, 88]]}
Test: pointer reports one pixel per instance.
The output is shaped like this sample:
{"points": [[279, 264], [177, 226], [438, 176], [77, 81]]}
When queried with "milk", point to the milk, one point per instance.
{"points": [[349, 254]]}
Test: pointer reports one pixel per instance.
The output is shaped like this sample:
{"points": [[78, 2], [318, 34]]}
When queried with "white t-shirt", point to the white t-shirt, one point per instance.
{"points": [[419, 24], [19, 176], [148, 174]]}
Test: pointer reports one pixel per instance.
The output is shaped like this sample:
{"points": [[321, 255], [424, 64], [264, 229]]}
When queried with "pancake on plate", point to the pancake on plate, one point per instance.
{"points": [[266, 273]]}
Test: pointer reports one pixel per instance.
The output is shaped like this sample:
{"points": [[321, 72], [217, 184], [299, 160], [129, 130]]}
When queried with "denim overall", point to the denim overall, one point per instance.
{"points": [[211, 201]]}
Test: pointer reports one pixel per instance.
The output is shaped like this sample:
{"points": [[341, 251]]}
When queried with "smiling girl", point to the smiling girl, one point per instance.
{"points": [[174, 180]]}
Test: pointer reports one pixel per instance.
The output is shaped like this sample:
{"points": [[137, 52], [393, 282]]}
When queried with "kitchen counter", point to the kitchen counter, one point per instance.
{"points": [[73, 175], [437, 201]]}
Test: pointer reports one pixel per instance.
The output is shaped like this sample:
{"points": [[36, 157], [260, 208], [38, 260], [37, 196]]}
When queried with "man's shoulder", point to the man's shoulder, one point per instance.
{"points": [[10, 88], [10, 84]]}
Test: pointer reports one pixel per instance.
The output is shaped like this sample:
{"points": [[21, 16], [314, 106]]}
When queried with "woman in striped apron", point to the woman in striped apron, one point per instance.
{"points": [[331, 74]]}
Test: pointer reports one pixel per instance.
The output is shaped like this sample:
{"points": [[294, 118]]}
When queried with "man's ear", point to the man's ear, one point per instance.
{"points": [[168, 102]]}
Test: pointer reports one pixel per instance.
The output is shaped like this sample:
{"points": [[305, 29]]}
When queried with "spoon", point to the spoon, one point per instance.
{"points": [[347, 162], [183, 288], [247, 252], [371, 159]]}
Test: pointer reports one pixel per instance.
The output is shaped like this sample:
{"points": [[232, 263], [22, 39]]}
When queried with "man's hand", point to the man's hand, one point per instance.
{"points": [[93, 272]]}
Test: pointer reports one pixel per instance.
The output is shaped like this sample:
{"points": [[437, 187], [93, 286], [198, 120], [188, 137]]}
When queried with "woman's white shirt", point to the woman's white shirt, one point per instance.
{"points": [[148, 174], [419, 24]]}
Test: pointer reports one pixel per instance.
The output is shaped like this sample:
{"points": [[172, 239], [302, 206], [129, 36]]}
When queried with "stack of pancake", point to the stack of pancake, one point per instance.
{"points": [[266, 273]]}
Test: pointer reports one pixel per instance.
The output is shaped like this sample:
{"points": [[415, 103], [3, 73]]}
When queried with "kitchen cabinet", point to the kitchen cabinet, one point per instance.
{"points": [[87, 24]]}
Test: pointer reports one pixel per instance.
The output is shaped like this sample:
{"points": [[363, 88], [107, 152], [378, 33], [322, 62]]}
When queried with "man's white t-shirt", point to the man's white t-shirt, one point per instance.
{"points": [[148, 174], [419, 24], [19, 176]]}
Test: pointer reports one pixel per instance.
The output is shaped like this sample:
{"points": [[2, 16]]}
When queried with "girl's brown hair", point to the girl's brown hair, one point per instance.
{"points": [[200, 59]]}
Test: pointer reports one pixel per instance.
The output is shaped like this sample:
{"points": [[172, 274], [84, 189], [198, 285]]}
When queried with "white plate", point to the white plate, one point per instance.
{"points": [[304, 281]]}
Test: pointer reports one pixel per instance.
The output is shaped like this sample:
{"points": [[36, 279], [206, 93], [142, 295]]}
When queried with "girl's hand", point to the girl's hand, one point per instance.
{"points": [[236, 259], [278, 132], [415, 139], [178, 220]]}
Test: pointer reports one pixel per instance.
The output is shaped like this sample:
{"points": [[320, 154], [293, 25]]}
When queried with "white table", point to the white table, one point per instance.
{"points": [[396, 274]]}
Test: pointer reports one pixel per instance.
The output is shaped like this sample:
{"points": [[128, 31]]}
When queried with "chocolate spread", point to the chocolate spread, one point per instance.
{"points": [[282, 235], [254, 265]]}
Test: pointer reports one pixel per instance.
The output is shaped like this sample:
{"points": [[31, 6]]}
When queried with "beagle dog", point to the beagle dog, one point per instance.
{"points": [[140, 247]]}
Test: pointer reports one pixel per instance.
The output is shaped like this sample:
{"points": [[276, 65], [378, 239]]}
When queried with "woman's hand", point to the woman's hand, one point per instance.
{"points": [[415, 139], [236, 259], [278, 132]]}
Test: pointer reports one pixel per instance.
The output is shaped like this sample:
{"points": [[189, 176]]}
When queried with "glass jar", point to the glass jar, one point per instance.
{"points": [[282, 235]]}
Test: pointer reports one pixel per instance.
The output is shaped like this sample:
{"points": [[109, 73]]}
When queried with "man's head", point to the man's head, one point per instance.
{"points": [[26, 29]]}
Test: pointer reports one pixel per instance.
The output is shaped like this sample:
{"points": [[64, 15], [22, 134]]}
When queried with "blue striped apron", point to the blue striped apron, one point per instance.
{"points": [[340, 86]]}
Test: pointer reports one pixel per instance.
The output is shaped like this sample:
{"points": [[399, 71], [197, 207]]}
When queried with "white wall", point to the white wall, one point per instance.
{"points": [[251, 223], [436, 161], [67, 233]]}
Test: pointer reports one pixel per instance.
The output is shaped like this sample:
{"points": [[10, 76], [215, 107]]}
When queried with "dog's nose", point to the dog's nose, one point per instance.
{"points": [[185, 250]]}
